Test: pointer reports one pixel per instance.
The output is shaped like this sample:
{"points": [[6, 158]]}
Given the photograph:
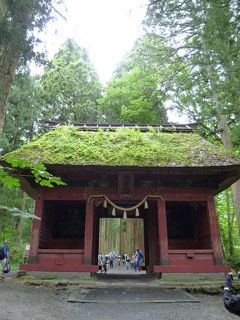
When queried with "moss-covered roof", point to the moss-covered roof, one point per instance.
{"points": [[68, 145]]}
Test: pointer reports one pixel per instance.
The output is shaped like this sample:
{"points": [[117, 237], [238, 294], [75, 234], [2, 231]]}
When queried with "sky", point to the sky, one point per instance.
{"points": [[106, 28]]}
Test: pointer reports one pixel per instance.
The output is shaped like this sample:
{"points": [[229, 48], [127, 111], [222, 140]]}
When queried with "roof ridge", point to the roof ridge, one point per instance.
{"points": [[188, 127]]}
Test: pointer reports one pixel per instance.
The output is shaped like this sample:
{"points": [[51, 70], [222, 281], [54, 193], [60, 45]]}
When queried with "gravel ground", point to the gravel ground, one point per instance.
{"points": [[18, 301]]}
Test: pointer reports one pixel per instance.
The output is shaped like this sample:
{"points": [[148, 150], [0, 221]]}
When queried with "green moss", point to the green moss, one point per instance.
{"points": [[124, 147]]}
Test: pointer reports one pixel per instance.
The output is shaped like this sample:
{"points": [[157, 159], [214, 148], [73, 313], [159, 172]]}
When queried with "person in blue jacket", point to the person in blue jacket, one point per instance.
{"points": [[4, 256], [138, 260], [6, 249]]}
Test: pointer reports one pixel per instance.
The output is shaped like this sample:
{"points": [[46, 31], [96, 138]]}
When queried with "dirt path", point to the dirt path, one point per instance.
{"points": [[18, 302]]}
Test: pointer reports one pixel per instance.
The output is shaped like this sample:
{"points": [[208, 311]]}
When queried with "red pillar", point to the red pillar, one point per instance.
{"points": [[88, 238], [162, 232], [214, 231], [36, 229]]}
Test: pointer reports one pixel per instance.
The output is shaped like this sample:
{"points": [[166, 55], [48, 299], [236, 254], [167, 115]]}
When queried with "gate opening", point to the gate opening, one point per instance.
{"points": [[118, 241]]}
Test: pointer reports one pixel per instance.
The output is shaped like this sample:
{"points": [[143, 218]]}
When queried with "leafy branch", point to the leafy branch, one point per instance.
{"points": [[42, 177], [19, 213]]}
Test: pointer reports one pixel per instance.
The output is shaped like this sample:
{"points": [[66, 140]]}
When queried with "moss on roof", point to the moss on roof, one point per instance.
{"points": [[68, 145]]}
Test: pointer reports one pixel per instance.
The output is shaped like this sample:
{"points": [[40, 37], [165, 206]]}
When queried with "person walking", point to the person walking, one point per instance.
{"points": [[104, 265], [6, 249], [133, 261], [138, 260], [4, 256], [128, 260], [119, 260], [111, 257]]}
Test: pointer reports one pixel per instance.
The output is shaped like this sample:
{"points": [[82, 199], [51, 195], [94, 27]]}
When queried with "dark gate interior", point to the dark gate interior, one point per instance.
{"points": [[62, 225], [188, 225]]}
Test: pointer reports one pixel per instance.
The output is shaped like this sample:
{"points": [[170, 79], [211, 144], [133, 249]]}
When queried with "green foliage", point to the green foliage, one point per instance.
{"points": [[70, 86], [191, 60], [15, 212], [17, 252], [7, 179], [125, 146], [24, 112], [205, 84], [12, 215], [11, 197], [19, 31], [49, 276], [20, 22], [39, 171], [228, 224], [133, 95], [234, 262]]}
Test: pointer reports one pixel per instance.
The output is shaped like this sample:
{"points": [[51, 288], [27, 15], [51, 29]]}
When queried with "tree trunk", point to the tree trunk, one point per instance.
{"points": [[222, 124], [11, 48], [230, 224], [7, 74], [236, 198], [3, 10], [20, 224]]}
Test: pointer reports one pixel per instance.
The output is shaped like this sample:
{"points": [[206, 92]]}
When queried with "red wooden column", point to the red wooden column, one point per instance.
{"points": [[214, 231], [162, 232], [88, 238], [36, 229]]}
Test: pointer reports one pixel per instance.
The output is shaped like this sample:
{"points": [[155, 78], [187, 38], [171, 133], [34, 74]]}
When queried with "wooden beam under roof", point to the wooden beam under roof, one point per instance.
{"points": [[175, 127]]}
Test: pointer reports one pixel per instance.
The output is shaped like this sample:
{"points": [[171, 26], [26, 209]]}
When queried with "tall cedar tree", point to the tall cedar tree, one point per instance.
{"points": [[70, 86], [19, 22], [133, 95], [205, 35]]}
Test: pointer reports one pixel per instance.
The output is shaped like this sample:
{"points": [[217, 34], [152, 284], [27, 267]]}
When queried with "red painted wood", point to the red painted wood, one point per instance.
{"points": [[27, 187], [66, 193], [190, 258], [151, 236], [95, 238], [172, 194], [162, 230], [88, 239], [83, 260], [57, 260], [66, 243], [66, 259], [214, 230], [193, 261], [36, 226], [82, 193], [66, 251], [204, 251], [185, 197]]}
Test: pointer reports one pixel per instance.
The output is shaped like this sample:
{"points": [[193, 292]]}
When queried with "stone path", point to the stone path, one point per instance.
{"points": [[130, 295], [120, 294]]}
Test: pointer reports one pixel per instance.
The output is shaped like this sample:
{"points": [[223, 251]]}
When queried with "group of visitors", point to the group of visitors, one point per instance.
{"points": [[106, 261], [133, 261], [4, 260]]}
